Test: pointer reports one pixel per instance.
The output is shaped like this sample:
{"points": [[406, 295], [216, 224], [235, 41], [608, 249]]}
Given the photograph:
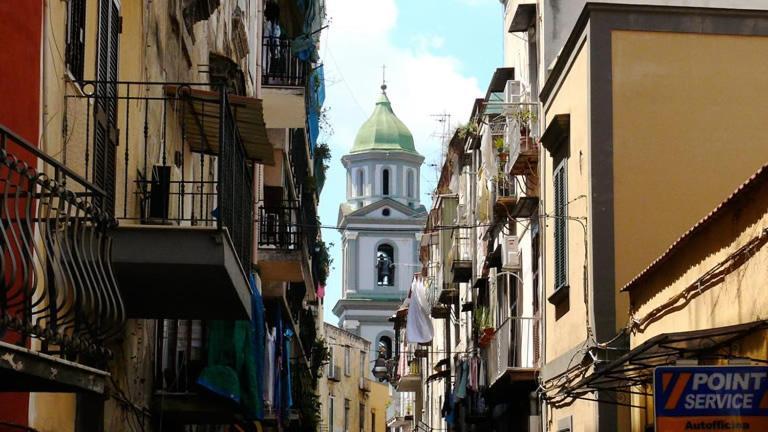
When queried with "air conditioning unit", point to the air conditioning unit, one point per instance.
{"points": [[513, 91], [510, 252]]}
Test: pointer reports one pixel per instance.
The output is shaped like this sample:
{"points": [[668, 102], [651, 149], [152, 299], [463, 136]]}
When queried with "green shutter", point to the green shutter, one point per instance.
{"points": [[560, 228]]}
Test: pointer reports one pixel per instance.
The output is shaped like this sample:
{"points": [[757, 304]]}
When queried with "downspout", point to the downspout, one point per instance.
{"points": [[44, 73], [542, 272]]}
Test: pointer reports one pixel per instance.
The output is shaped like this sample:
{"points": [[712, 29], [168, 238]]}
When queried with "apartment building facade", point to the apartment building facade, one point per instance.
{"points": [[137, 170], [592, 151], [354, 401]]}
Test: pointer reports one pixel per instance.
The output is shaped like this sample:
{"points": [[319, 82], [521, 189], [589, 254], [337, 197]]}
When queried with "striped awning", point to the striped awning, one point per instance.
{"points": [[202, 119]]}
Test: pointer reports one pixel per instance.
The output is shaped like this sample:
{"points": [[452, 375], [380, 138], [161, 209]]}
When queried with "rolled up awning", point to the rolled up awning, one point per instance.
{"points": [[636, 366], [202, 119]]}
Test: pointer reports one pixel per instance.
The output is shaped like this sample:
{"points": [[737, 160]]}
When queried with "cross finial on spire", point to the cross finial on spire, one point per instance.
{"points": [[384, 78]]}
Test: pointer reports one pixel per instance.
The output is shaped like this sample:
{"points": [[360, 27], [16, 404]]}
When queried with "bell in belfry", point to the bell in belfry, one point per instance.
{"points": [[385, 266]]}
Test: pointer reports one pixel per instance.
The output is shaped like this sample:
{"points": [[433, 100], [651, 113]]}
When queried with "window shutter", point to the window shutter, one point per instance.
{"points": [[105, 115], [75, 50], [560, 228]]}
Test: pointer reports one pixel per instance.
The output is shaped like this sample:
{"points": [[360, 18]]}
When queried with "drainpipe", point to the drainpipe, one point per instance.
{"points": [[44, 73], [542, 269]]}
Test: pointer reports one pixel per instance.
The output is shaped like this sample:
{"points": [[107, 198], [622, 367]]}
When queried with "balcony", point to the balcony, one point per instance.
{"points": [[460, 257], [59, 303], [515, 351], [281, 256], [515, 197], [522, 138], [283, 81], [449, 293], [177, 165], [364, 385], [334, 373], [410, 382]]}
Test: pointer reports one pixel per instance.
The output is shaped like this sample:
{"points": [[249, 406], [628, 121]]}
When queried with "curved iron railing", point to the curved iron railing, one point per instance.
{"points": [[56, 280]]}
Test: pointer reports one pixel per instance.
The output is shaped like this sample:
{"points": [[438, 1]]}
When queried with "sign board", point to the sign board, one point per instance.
{"points": [[712, 398]]}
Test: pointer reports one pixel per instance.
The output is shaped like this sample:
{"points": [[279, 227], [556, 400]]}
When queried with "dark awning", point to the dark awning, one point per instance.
{"points": [[202, 121], [524, 18], [636, 367], [439, 375]]}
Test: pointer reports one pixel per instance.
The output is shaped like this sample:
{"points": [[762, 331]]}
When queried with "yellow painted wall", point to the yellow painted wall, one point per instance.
{"points": [[688, 113], [739, 297], [150, 50], [348, 387], [566, 330]]}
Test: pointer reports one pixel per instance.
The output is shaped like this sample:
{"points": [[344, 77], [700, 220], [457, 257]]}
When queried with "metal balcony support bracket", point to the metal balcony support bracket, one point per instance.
{"points": [[22, 369]]}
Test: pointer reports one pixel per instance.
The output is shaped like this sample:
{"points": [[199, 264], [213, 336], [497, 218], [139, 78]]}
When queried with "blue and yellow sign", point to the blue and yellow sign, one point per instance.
{"points": [[712, 398]]}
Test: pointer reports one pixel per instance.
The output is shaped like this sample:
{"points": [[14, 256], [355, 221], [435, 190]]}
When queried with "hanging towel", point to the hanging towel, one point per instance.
{"points": [[418, 328], [258, 328], [269, 368], [473, 366], [232, 370], [288, 391], [461, 386]]}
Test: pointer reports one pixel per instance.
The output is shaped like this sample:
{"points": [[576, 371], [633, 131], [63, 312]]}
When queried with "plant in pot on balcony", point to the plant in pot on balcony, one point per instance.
{"points": [[525, 117], [483, 325], [498, 144], [467, 131]]}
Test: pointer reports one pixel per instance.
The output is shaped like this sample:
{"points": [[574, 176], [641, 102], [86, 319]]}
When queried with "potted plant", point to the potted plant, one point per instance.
{"points": [[498, 143], [467, 131], [483, 325], [525, 117]]}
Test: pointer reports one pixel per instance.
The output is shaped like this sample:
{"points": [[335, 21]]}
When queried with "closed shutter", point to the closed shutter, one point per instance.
{"points": [[560, 228], [105, 108], [75, 51]]}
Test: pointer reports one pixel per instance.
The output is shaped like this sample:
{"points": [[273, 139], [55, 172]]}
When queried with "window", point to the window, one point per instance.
{"points": [[363, 370], [330, 413], [561, 226], [347, 363], [385, 343], [346, 415], [330, 360], [75, 51], [385, 212], [105, 106], [373, 421], [409, 184], [361, 418], [385, 265], [359, 185], [385, 182]]}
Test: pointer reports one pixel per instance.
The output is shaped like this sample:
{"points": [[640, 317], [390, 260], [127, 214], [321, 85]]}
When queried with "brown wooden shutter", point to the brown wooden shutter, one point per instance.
{"points": [[75, 51], [105, 109]]}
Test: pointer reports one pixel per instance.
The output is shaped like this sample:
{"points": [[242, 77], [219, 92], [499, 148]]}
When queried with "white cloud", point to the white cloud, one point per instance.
{"points": [[420, 84]]}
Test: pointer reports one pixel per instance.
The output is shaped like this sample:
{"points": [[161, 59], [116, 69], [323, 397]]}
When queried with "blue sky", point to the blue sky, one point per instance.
{"points": [[440, 55]]}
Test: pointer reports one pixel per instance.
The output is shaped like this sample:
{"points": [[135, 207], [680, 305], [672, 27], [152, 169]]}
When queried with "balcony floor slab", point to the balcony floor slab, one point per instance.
{"points": [[179, 273]]}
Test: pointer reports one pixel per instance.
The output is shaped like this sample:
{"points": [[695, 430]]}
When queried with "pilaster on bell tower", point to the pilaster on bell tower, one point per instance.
{"points": [[380, 222]]}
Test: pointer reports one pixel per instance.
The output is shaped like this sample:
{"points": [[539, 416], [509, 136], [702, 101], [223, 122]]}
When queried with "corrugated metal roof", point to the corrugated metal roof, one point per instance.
{"points": [[202, 119], [760, 175]]}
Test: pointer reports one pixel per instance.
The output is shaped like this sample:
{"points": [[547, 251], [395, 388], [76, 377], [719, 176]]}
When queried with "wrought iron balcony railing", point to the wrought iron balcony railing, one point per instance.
{"points": [[515, 346], [174, 154], [57, 283], [280, 68], [280, 226]]}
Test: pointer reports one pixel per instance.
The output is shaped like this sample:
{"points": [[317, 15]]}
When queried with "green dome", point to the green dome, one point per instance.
{"points": [[383, 131]]}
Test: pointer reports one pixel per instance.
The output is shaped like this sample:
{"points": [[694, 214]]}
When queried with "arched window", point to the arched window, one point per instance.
{"points": [[385, 182], [409, 184], [385, 265], [385, 346], [360, 183]]}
